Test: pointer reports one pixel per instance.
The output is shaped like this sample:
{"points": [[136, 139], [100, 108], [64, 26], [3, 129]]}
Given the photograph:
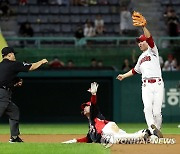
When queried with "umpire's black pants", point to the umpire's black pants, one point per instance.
{"points": [[11, 110]]}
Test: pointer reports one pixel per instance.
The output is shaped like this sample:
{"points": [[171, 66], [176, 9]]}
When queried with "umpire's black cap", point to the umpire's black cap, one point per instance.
{"points": [[7, 50]]}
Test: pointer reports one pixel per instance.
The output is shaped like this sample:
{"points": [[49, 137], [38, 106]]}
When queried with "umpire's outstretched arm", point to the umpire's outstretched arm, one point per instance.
{"points": [[38, 64]]}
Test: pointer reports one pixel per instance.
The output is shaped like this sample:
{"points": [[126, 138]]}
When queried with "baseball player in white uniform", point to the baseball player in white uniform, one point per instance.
{"points": [[152, 83]]}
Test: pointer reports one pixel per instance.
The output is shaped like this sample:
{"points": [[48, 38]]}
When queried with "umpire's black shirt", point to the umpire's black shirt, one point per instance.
{"points": [[9, 70]]}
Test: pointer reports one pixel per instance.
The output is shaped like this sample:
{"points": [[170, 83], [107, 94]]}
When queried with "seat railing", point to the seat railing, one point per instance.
{"points": [[160, 41]]}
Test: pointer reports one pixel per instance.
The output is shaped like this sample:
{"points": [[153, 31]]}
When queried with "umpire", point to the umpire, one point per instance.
{"points": [[9, 68]]}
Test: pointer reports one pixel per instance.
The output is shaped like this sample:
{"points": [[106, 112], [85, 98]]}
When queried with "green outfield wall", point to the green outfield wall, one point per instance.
{"points": [[56, 96]]}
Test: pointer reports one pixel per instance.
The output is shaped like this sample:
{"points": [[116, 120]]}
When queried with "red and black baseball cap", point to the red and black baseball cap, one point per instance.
{"points": [[141, 38], [85, 104], [6, 50]]}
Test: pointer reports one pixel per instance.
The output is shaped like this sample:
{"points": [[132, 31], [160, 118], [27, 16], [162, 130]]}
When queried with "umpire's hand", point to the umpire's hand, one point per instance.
{"points": [[19, 83]]}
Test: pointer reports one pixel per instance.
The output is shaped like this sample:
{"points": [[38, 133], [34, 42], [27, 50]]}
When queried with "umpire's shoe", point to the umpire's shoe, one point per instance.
{"points": [[14, 140], [156, 131]]}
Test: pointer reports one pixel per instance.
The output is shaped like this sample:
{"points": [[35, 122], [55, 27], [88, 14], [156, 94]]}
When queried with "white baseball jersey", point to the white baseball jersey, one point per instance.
{"points": [[152, 92], [148, 63]]}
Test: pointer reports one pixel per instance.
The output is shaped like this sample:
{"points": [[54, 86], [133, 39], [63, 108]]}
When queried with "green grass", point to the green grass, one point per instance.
{"points": [[80, 128], [52, 148], [48, 129], [167, 128], [58, 148]]}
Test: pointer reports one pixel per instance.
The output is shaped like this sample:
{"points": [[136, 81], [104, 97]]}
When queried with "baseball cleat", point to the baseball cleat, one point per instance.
{"points": [[156, 132], [107, 141], [17, 139], [147, 134]]}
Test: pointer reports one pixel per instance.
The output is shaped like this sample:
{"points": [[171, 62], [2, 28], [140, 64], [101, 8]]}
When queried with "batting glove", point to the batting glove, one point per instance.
{"points": [[93, 88]]}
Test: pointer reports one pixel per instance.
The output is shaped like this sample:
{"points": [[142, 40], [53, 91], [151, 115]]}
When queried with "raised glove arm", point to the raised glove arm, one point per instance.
{"points": [[138, 19], [70, 141], [93, 89]]}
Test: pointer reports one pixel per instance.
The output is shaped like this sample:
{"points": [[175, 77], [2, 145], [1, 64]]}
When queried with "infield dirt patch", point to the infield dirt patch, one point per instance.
{"points": [[115, 149]]}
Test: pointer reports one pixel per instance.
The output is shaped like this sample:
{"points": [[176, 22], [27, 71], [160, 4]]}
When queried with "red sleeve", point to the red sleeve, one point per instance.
{"points": [[93, 99], [134, 72], [150, 41], [84, 139]]}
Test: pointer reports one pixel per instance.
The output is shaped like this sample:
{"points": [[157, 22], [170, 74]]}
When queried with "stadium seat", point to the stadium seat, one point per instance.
{"points": [[116, 18], [75, 18], [43, 18], [59, 34], [13, 2], [84, 10], [94, 9], [109, 29], [22, 9], [92, 17], [44, 28], [32, 19], [68, 35], [56, 28], [107, 18], [64, 10], [175, 2], [53, 18], [64, 19], [66, 28], [54, 9], [38, 34], [116, 29], [44, 9], [165, 2], [34, 9], [36, 28], [21, 18], [32, 2], [114, 2], [84, 18], [178, 12], [74, 9], [74, 27], [104, 9]]}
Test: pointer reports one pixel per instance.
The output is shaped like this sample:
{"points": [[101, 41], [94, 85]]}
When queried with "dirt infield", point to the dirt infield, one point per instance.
{"points": [[115, 149]]}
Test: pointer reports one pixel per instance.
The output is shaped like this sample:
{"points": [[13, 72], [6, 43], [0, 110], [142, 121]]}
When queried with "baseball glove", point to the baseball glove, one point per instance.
{"points": [[138, 19], [94, 87]]}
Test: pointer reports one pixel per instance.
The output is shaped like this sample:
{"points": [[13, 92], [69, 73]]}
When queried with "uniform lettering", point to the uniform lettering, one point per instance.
{"points": [[25, 64], [146, 58]]}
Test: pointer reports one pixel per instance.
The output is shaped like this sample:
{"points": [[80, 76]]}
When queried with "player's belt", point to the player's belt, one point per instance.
{"points": [[151, 80]]}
